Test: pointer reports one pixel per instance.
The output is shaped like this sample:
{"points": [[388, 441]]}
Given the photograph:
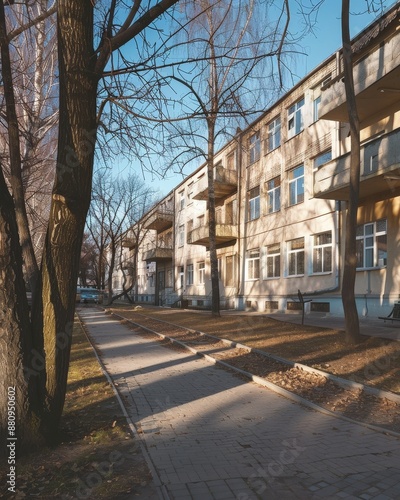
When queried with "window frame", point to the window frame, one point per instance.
{"points": [[274, 195], [295, 120], [374, 235], [296, 182], [189, 274], [201, 270], [295, 253], [273, 260], [274, 128], [322, 249], [254, 203], [254, 147], [181, 235], [253, 264]]}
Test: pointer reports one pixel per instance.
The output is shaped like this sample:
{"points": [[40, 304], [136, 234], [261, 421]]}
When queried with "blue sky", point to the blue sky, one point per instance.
{"points": [[317, 46]]}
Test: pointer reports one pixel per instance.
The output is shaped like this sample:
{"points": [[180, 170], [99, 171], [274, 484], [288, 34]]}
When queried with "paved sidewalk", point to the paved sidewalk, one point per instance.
{"points": [[211, 435]]}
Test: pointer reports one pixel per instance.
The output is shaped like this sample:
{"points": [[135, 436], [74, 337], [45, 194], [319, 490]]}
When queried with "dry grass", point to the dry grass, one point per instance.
{"points": [[96, 456], [375, 362]]}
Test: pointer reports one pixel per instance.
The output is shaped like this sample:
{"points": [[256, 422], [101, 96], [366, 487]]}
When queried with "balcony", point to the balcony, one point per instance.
{"points": [[129, 242], [225, 234], [158, 254], [380, 171], [160, 220], [377, 85], [225, 184]]}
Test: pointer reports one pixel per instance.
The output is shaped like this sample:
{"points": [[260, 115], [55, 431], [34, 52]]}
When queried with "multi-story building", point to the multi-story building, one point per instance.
{"points": [[281, 190]]}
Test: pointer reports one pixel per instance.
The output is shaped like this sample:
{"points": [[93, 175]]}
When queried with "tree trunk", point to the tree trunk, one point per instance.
{"points": [[350, 258], [18, 389], [70, 200], [215, 306], [16, 354]]}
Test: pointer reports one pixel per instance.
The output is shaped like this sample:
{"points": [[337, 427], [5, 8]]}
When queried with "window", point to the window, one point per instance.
{"points": [[189, 229], [230, 162], [372, 244], [274, 195], [296, 185], [254, 147], [230, 212], [253, 264], [254, 203], [200, 220], [181, 270], [322, 253], [273, 261], [202, 272], [229, 271], [274, 134], [190, 274], [296, 257], [181, 200], [322, 159], [371, 156], [181, 235], [190, 192], [295, 118], [316, 106]]}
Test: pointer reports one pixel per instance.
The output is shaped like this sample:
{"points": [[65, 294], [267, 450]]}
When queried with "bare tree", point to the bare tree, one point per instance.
{"points": [[117, 204], [225, 86], [33, 112], [34, 354]]}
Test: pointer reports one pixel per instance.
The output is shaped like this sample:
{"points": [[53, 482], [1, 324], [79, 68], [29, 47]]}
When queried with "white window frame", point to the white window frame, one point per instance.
{"points": [[295, 123], [296, 185], [181, 235], [189, 274], [368, 235], [296, 249], [181, 200], [273, 261], [320, 253], [253, 210], [316, 107], [274, 195], [254, 147], [274, 134], [253, 265], [201, 268]]}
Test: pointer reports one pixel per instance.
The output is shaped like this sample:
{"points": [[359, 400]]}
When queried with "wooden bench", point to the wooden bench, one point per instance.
{"points": [[394, 314], [302, 301]]}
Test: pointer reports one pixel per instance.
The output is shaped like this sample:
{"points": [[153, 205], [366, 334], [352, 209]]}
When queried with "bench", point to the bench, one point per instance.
{"points": [[394, 314], [302, 301]]}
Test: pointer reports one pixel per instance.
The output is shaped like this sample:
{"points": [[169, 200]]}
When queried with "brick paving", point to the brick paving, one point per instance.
{"points": [[212, 435]]}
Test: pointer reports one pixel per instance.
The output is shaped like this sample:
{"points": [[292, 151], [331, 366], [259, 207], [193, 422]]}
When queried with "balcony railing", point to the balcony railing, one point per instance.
{"points": [[380, 171], [129, 242], [225, 184], [160, 220], [225, 233], [158, 254], [376, 80]]}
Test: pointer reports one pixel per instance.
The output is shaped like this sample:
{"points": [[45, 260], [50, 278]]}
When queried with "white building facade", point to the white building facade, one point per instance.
{"points": [[281, 190]]}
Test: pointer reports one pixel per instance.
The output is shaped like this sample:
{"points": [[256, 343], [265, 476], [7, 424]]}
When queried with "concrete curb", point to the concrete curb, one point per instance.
{"points": [[270, 385], [159, 486]]}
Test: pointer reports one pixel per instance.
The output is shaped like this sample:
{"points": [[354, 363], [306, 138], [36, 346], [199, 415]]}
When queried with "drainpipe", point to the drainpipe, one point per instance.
{"points": [[241, 241]]}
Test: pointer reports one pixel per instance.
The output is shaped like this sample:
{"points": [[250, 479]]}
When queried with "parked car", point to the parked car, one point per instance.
{"points": [[87, 295]]}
